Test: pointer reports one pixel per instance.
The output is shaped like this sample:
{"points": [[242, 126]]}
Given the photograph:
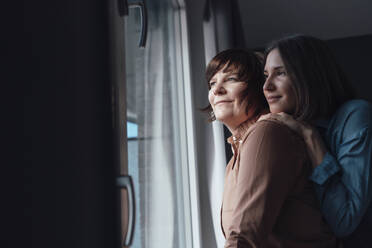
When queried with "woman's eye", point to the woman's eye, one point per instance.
{"points": [[265, 76], [281, 73], [232, 79], [211, 84]]}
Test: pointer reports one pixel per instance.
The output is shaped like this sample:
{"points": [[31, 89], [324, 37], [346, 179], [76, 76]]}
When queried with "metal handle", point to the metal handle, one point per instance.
{"points": [[126, 182], [124, 5]]}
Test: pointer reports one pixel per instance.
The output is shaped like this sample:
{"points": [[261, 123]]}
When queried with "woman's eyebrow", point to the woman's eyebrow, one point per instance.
{"points": [[274, 68], [231, 73], [212, 79]]}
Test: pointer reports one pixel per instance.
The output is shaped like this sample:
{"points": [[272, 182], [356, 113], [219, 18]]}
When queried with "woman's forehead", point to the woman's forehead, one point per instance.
{"points": [[226, 72], [229, 68]]}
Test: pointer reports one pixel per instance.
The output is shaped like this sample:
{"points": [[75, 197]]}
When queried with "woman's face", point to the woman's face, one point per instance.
{"points": [[278, 88], [225, 97]]}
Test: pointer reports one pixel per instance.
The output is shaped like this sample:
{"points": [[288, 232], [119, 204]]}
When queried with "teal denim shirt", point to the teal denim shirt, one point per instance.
{"points": [[343, 181]]}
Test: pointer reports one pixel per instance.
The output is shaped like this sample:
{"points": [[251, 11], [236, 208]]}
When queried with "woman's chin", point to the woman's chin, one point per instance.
{"points": [[220, 120], [275, 110], [219, 115]]}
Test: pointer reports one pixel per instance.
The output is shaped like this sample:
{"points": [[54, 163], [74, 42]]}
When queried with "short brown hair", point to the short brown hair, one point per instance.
{"points": [[248, 67]]}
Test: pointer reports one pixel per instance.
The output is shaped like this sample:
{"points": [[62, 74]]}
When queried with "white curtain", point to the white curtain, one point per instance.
{"points": [[160, 219]]}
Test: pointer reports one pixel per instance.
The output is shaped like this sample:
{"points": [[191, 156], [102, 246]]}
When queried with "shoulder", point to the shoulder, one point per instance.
{"points": [[271, 144], [353, 116], [267, 126], [271, 133], [355, 106]]}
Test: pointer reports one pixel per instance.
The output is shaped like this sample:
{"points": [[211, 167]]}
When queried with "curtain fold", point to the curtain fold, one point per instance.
{"points": [[151, 88]]}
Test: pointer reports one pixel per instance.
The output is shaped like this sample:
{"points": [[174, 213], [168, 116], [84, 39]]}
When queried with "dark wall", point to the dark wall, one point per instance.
{"points": [[61, 193], [355, 56]]}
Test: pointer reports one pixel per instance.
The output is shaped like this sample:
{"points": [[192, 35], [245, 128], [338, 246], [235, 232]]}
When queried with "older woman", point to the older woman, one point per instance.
{"points": [[342, 166], [267, 200]]}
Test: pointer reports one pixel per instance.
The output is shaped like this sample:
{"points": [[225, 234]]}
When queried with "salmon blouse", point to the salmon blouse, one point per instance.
{"points": [[268, 200]]}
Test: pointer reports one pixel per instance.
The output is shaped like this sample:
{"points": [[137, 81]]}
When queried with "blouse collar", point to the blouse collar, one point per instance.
{"points": [[240, 132]]}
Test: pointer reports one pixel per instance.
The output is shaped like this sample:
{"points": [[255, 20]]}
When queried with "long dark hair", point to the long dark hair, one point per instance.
{"points": [[319, 83]]}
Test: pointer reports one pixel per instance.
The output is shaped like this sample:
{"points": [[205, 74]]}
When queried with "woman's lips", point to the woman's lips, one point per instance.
{"points": [[222, 102], [272, 99]]}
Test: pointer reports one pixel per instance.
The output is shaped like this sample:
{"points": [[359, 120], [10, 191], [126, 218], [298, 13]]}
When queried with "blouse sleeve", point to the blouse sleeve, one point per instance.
{"points": [[343, 180], [268, 168]]}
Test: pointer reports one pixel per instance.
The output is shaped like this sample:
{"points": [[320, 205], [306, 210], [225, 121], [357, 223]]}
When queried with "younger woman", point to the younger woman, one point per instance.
{"points": [[342, 164]]}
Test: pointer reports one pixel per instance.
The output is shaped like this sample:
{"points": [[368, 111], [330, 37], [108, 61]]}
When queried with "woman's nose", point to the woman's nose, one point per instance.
{"points": [[268, 85], [219, 89]]}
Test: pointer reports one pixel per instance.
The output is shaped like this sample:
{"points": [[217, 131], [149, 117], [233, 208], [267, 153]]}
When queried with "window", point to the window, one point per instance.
{"points": [[160, 154]]}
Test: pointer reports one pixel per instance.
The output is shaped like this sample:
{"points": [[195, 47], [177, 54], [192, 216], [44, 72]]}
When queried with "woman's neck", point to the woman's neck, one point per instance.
{"points": [[235, 131]]}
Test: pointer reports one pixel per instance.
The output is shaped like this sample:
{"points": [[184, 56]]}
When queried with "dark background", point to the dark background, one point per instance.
{"points": [[58, 171], [355, 56]]}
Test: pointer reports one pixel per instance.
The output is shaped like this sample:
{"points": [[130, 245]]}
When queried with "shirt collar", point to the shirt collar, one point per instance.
{"points": [[240, 132]]}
